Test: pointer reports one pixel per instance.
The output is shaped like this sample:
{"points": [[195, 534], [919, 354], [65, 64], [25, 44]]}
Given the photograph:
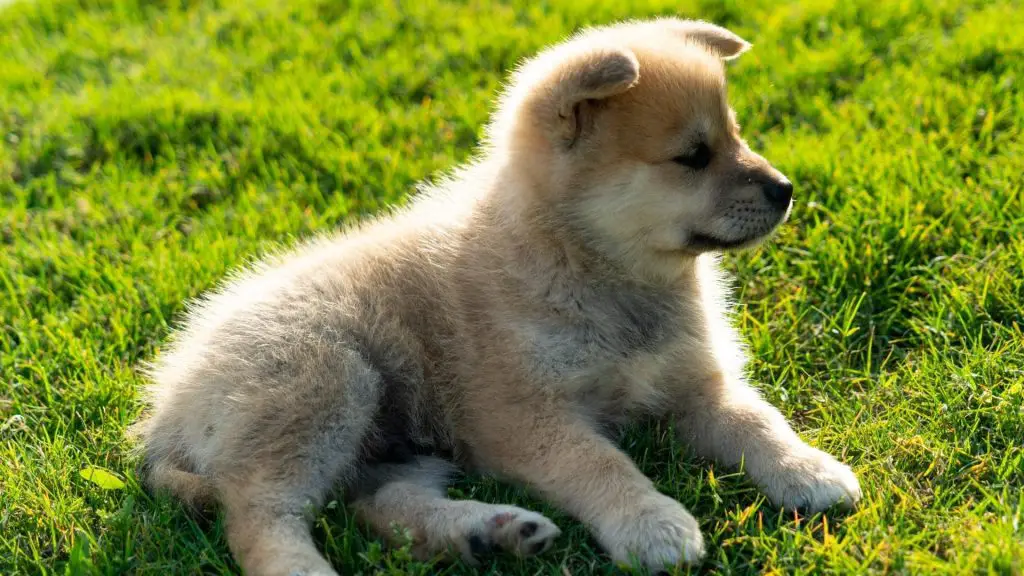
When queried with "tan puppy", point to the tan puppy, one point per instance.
{"points": [[563, 283]]}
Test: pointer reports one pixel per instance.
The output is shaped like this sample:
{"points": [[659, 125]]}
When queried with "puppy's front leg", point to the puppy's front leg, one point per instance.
{"points": [[556, 453], [728, 421]]}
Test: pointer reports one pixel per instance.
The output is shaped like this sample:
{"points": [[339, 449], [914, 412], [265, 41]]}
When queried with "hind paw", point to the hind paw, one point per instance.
{"points": [[510, 529]]}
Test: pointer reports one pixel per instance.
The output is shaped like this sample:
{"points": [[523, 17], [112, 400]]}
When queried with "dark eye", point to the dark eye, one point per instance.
{"points": [[698, 158]]}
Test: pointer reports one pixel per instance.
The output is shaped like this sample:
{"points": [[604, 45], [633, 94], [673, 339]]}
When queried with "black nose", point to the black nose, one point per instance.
{"points": [[779, 192]]}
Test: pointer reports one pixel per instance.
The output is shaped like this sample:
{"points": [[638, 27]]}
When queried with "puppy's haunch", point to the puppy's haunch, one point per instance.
{"points": [[562, 283]]}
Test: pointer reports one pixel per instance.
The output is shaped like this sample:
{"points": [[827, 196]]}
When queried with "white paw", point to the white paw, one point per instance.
{"points": [[658, 534], [810, 480], [521, 532]]}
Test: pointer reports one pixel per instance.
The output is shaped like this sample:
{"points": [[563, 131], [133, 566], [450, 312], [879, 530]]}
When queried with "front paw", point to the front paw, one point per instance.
{"points": [[657, 534], [809, 480]]}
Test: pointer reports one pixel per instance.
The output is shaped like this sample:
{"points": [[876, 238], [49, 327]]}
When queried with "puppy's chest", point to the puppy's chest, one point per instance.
{"points": [[609, 353], [616, 391]]}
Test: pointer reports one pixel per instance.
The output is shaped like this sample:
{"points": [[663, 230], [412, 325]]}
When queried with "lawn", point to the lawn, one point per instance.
{"points": [[148, 147]]}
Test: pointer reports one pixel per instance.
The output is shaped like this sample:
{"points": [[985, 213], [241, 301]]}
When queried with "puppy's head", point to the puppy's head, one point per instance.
{"points": [[627, 132]]}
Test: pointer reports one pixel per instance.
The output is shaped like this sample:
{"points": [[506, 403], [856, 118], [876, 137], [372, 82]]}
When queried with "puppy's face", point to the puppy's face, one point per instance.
{"points": [[650, 157], [665, 167]]}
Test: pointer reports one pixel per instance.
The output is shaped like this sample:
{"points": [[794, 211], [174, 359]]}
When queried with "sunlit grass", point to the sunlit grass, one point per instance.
{"points": [[148, 147]]}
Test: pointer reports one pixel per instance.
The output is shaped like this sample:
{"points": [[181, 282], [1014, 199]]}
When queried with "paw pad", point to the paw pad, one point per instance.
{"points": [[477, 546], [500, 520], [528, 529]]}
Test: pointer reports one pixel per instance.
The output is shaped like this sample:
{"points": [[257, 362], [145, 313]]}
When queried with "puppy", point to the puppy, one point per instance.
{"points": [[564, 282]]}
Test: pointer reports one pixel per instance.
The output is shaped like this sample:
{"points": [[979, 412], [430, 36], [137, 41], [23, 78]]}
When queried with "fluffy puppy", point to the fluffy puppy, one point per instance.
{"points": [[562, 283]]}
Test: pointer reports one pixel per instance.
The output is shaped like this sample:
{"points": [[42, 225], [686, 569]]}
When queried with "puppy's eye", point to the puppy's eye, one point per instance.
{"points": [[698, 158]]}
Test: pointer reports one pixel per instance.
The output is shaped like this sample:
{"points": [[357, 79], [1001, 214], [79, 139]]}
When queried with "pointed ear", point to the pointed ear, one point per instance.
{"points": [[720, 41], [556, 90], [587, 77], [593, 75]]}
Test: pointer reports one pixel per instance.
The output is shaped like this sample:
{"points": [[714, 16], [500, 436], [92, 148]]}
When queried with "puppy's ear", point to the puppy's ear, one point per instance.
{"points": [[720, 41], [592, 75], [557, 90]]}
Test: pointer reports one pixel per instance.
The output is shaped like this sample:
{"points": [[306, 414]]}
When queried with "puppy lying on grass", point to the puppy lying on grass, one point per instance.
{"points": [[562, 283]]}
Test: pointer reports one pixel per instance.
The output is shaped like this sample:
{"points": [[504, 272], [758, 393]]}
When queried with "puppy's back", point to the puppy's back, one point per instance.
{"points": [[280, 345]]}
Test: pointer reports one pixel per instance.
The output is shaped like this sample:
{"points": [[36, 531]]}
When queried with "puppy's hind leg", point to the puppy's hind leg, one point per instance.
{"points": [[287, 460], [268, 529], [411, 497]]}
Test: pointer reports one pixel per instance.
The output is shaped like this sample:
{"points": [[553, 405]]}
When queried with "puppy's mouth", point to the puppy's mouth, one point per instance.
{"points": [[739, 228], [706, 242]]}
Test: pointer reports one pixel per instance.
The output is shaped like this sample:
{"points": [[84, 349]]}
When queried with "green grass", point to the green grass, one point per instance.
{"points": [[148, 147]]}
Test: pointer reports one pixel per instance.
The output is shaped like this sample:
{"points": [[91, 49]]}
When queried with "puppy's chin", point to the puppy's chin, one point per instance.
{"points": [[701, 243], [698, 242]]}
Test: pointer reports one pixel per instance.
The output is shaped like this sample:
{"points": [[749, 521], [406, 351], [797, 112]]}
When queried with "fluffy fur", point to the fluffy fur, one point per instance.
{"points": [[563, 283]]}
